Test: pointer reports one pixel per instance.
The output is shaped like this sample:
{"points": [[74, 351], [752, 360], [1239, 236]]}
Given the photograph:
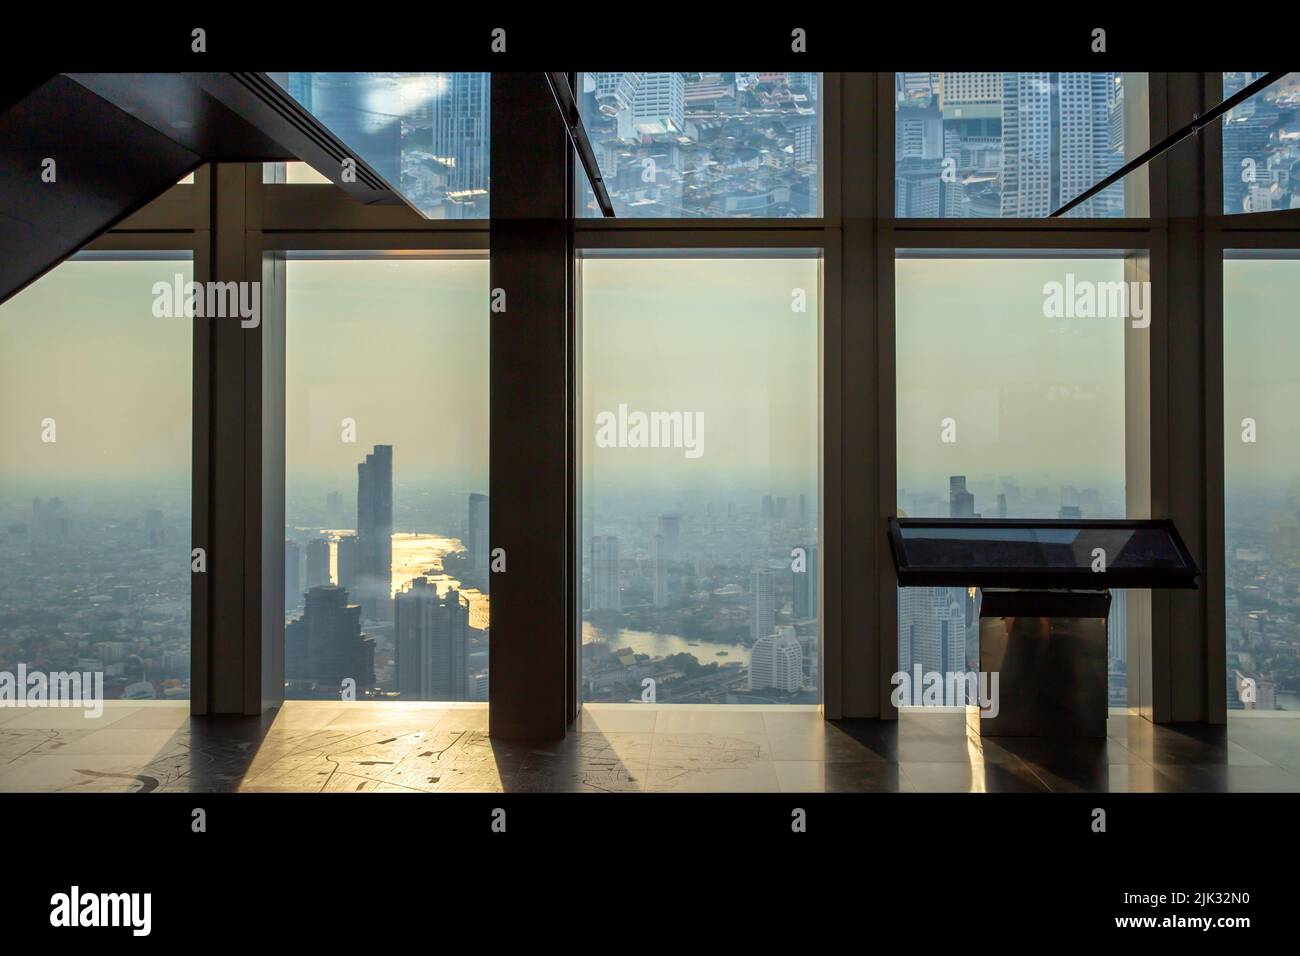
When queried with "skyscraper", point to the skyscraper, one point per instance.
{"points": [[460, 120], [762, 603], [318, 563], [326, 646], [776, 662], [431, 637], [349, 558], [659, 104], [658, 555], [805, 587], [932, 629], [1057, 142], [375, 532], [670, 527], [605, 592], [961, 503], [292, 575]]}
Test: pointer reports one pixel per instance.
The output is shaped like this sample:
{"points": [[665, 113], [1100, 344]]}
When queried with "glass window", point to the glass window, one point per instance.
{"points": [[426, 134], [1261, 146], [95, 428], [704, 145], [386, 560], [700, 451], [1261, 392], [1010, 375], [1020, 145], [292, 173]]}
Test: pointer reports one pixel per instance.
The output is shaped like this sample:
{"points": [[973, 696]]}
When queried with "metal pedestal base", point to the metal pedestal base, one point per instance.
{"points": [[1048, 649]]}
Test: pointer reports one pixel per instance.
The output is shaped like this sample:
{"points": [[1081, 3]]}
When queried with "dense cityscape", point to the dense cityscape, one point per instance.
{"points": [[93, 580], [713, 603], [1261, 146], [710, 600], [698, 145], [398, 615], [1262, 540], [427, 134], [986, 145]]}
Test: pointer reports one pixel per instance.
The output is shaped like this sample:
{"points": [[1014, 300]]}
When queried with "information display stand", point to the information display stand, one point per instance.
{"points": [[1044, 603]]}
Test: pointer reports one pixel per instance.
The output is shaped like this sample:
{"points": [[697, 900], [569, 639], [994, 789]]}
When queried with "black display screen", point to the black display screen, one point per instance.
{"points": [[1093, 554]]}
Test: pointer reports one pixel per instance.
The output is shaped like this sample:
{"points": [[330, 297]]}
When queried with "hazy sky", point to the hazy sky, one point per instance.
{"points": [[1031, 395], [1261, 343], [401, 347], [81, 345], [719, 337]]}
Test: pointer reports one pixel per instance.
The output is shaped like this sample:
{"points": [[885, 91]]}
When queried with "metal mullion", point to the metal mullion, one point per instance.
{"points": [[651, 240], [900, 237], [350, 241]]}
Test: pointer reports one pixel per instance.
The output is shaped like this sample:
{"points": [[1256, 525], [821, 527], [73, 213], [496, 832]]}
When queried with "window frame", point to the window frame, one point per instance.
{"points": [[1174, 386]]}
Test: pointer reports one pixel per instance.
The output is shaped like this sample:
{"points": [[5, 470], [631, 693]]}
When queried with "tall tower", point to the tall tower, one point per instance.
{"points": [[805, 587], [776, 661], [932, 629], [659, 556], [670, 526], [460, 117], [961, 503], [349, 558], [605, 593], [375, 532], [432, 641], [325, 645], [318, 563], [763, 603], [292, 575]]}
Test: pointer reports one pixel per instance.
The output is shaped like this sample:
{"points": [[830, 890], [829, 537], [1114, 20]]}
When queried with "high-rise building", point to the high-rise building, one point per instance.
{"points": [[762, 603], [155, 535], [806, 587], [670, 527], [659, 557], [659, 104], [776, 662], [431, 636], [1117, 626], [614, 91], [932, 629], [606, 594], [292, 575], [963, 90], [460, 120], [325, 645], [349, 561], [961, 503], [1057, 142], [375, 532], [318, 563]]}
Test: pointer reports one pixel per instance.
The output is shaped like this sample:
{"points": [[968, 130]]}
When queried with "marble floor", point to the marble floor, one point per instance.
{"points": [[392, 747]]}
